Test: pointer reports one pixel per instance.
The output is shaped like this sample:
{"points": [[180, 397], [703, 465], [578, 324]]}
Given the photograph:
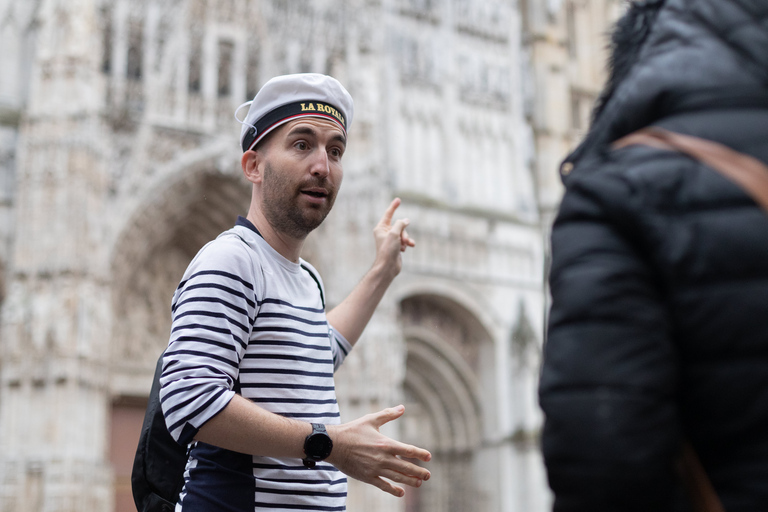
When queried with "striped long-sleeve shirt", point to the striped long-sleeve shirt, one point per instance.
{"points": [[247, 320]]}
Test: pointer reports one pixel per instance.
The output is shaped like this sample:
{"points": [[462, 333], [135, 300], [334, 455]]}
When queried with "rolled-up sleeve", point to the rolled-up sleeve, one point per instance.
{"points": [[213, 311], [340, 347]]}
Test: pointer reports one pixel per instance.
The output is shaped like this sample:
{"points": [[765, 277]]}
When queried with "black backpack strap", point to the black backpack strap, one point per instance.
{"points": [[317, 282], [305, 267]]}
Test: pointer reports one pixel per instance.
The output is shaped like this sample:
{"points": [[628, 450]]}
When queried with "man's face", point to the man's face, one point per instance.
{"points": [[302, 174]]}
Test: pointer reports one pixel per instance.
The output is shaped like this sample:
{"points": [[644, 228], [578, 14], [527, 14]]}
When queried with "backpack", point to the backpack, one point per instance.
{"points": [[157, 477], [158, 467]]}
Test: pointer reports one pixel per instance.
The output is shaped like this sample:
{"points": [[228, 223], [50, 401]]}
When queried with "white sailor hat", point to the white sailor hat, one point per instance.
{"points": [[288, 97]]}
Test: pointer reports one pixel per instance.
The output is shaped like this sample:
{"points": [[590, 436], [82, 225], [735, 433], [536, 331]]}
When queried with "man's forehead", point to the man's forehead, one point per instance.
{"points": [[313, 125]]}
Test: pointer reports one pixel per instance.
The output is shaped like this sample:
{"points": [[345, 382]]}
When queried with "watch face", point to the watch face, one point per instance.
{"points": [[318, 446]]}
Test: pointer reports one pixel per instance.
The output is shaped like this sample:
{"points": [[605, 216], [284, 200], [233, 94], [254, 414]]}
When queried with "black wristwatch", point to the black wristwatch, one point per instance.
{"points": [[317, 445]]}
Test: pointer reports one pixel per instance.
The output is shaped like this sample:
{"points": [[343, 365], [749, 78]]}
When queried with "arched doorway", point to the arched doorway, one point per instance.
{"points": [[448, 390]]}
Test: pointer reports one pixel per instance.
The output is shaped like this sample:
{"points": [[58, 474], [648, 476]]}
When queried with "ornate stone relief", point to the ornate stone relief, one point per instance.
{"points": [[423, 9], [484, 81], [484, 18], [417, 60], [524, 344]]}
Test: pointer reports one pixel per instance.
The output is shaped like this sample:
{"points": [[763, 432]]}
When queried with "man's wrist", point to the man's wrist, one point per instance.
{"points": [[337, 440], [383, 272]]}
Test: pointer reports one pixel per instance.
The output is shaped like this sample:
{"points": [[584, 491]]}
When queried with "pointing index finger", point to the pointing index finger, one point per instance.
{"points": [[387, 218]]}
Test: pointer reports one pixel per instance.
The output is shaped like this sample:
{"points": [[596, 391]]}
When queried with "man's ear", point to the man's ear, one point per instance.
{"points": [[253, 164]]}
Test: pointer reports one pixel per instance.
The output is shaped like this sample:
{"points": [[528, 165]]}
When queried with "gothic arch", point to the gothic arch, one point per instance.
{"points": [[471, 306], [449, 395], [438, 376], [168, 227]]}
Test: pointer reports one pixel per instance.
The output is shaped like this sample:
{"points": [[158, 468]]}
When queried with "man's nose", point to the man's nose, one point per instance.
{"points": [[320, 164]]}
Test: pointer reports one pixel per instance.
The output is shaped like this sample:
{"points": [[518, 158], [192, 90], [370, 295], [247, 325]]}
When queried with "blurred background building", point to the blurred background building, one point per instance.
{"points": [[119, 159]]}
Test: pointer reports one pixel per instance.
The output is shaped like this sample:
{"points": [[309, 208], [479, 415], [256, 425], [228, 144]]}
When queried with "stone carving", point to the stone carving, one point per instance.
{"points": [[484, 81], [418, 61], [484, 18], [424, 9], [525, 349]]}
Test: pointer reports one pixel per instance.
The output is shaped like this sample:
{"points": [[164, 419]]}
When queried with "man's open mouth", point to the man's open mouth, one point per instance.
{"points": [[315, 193]]}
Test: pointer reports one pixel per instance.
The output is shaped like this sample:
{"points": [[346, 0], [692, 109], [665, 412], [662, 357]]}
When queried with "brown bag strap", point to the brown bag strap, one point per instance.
{"points": [[696, 482], [744, 170]]}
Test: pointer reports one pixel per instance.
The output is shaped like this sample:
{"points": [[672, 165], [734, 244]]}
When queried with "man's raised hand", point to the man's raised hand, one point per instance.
{"points": [[392, 239]]}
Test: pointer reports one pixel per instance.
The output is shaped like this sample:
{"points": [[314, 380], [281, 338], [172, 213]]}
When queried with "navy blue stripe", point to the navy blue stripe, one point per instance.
{"points": [[292, 401], [213, 369], [290, 329], [214, 300], [305, 481], [234, 364], [208, 341], [171, 362], [286, 372], [284, 386], [187, 388], [301, 493], [317, 282], [213, 314], [341, 346], [324, 467], [197, 411], [234, 277], [175, 392], [216, 286], [227, 332], [280, 343], [274, 506], [284, 303], [179, 406], [309, 415], [292, 317], [288, 357]]}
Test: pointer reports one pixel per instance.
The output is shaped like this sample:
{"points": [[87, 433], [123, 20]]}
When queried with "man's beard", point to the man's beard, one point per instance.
{"points": [[281, 208]]}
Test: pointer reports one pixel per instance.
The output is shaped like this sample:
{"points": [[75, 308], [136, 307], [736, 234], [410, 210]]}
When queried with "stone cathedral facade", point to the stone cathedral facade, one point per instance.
{"points": [[119, 159]]}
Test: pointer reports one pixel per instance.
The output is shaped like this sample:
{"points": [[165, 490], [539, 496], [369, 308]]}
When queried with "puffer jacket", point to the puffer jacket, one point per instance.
{"points": [[658, 330]]}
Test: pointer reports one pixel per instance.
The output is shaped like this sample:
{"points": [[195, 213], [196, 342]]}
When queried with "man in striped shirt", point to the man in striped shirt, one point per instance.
{"points": [[248, 374]]}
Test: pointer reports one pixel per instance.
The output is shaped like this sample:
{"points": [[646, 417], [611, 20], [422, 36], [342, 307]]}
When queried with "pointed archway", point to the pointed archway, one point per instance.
{"points": [[448, 389]]}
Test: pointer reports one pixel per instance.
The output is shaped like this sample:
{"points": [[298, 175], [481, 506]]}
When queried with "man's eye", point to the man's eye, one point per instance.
{"points": [[336, 152], [301, 145]]}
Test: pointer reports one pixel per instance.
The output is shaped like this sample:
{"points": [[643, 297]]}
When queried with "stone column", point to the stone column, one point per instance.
{"points": [[56, 318]]}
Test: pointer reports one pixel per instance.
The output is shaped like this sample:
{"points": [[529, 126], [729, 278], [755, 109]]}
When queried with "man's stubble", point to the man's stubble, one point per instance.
{"points": [[281, 203]]}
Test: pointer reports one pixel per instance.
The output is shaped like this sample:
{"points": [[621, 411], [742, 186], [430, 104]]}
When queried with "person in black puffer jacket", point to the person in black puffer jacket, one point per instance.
{"points": [[658, 331]]}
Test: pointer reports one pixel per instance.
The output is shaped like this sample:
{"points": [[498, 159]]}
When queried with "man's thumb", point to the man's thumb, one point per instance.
{"points": [[389, 414], [400, 226]]}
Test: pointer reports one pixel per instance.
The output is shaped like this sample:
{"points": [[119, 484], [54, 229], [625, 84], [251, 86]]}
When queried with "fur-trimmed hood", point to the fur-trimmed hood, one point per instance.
{"points": [[664, 51]]}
